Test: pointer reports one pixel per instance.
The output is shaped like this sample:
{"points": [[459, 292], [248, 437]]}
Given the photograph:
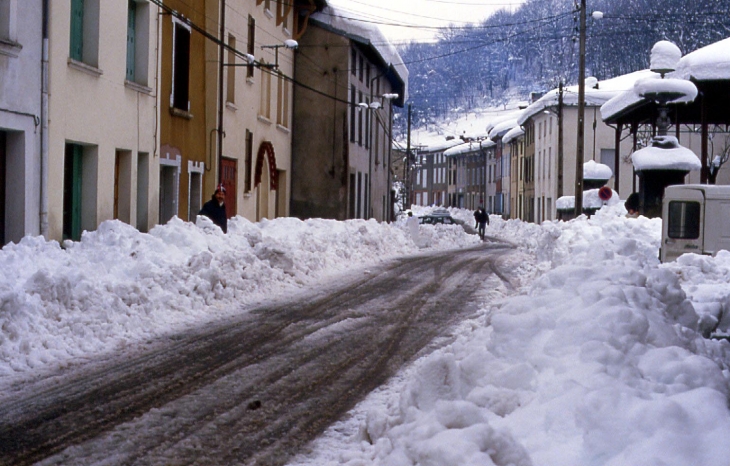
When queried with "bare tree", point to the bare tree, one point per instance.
{"points": [[721, 154]]}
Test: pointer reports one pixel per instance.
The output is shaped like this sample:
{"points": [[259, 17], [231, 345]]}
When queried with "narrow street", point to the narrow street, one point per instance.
{"points": [[255, 389]]}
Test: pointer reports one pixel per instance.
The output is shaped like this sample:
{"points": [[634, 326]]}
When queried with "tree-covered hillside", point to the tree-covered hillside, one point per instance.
{"points": [[532, 49]]}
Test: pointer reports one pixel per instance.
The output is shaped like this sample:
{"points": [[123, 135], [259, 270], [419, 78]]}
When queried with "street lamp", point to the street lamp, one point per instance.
{"points": [[290, 44], [375, 105]]}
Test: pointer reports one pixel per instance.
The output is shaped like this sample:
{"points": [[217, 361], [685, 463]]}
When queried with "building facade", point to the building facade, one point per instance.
{"points": [[341, 152], [103, 115], [22, 121]]}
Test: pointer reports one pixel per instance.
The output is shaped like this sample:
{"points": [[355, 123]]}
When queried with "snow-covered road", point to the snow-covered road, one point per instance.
{"points": [[251, 389]]}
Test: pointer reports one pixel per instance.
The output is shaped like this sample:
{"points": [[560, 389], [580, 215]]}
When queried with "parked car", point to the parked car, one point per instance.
{"points": [[437, 216]]}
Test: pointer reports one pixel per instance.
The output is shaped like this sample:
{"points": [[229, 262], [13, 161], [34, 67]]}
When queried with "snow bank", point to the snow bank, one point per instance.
{"points": [[598, 363], [118, 286]]}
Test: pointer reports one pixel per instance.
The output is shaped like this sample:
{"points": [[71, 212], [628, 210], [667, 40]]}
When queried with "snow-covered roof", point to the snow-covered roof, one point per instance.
{"points": [[675, 157], [593, 170], [514, 133], [605, 91], [349, 25], [502, 127], [468, 147], [706, 64], [683, 91]]}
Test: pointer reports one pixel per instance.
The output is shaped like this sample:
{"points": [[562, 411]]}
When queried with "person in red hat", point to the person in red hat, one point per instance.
{"points": [[215, 208]]}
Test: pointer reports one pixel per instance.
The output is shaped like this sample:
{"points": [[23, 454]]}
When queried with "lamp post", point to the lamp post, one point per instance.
{"points": [[374, 106]]}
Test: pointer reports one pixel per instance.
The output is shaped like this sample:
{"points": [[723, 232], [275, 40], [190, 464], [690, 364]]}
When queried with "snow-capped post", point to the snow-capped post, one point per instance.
{"points": [[664, 162]]}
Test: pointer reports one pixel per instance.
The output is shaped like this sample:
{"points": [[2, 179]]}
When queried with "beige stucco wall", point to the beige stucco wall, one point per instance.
{"points": [[92, 106], [244, 112]]}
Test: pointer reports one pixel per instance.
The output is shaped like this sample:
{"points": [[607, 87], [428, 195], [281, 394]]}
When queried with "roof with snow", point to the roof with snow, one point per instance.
{"points": [[708, 68], [514, 133], [468, 147], [371, 37], [671, 157], [596, 94], [501, 128]]}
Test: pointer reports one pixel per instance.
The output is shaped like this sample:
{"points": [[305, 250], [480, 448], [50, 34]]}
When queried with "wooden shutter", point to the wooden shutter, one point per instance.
{"points": [[131, 33], [76, 50]]}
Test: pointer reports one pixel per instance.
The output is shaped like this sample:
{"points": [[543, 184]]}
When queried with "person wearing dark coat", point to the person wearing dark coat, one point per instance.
{"points": [[482, 220], [215, 208]]}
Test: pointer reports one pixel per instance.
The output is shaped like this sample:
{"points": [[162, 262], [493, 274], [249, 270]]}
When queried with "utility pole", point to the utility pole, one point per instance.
{"points": [[560, 139], [408, 158], [581, 112], [221, 57]]}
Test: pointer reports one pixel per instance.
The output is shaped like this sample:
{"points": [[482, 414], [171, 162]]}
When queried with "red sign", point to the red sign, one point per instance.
{"points": [[605, 193]]}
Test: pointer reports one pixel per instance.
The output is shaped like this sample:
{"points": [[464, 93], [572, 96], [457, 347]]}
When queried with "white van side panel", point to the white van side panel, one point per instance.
{"points": [[717, 225]]}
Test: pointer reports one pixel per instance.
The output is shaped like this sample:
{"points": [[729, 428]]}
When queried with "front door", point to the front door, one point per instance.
{"points": [[228, 178], [72, 192]]}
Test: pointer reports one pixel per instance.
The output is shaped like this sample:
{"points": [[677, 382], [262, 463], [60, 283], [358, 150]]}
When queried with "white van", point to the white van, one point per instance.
{"points": [[695, 218]]}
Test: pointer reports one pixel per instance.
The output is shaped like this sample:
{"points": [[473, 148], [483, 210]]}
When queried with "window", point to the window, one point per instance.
{"points": [[249, 162], [180, 66], [684, 220], [250, 46], [353, 60], [353, 107], [84, 33], [367, 124], [265, 107], [608, 157], [137, 42], [282, 115], [283, 8], [7, 20], [359, 121], [231, 84]]}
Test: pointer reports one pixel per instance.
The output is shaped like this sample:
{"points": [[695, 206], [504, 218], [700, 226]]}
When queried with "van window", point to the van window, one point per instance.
{"points": [[684, 220]]}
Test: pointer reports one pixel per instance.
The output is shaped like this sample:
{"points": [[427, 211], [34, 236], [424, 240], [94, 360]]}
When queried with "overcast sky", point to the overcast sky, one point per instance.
{"points": [[419, 19]]}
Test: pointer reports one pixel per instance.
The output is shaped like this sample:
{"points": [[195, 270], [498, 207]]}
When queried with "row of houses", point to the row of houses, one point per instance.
{"points": [[525, 160], [135, 110]]}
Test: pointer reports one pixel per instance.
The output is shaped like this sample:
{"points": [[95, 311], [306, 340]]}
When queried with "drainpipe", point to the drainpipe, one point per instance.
{"points": [[44, 125]]}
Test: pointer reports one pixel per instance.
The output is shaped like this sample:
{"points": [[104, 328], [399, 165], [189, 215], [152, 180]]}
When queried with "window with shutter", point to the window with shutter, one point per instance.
{"points": [[181, 67], [77, 30], [131, 34]]}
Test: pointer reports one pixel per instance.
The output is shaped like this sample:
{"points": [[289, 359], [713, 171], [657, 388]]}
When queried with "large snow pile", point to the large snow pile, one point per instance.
{"points": [[599, 362], [118, 286]]}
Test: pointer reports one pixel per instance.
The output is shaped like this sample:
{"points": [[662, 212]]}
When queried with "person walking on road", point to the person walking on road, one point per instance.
{"points": [[482, 220], [215, 208]]}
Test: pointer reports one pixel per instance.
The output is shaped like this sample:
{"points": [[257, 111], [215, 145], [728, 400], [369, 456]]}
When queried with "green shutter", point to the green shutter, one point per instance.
{"points": [[77, 30], [131, 33]]}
